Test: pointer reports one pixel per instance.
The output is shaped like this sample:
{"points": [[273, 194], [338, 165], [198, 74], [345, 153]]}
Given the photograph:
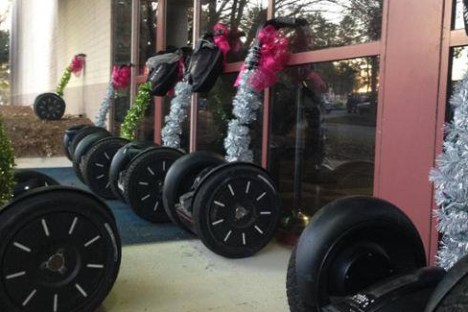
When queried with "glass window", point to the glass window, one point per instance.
{"points": [[458, 69], [179, 24], [147, 39], [214, 114], [322, 140], [121, 54], [242, 18], [457, 20], [336, 23]]}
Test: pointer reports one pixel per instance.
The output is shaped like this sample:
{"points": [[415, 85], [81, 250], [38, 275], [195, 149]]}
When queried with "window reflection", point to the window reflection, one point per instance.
{"points": [[337, 23], [214, 113], [147, 32], [242, 16], [457, 21], [179, 24], [458, 69], [121, 53], [323, 132]]}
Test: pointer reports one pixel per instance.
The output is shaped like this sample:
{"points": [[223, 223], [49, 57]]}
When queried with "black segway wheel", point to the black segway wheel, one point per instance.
{"points": [[120, 162], [236, 209], [82, 133], [49, 106], [60, 251], [27, 179], [144, 180], [96, 163], [68, 137], [82, 149], [181, 176], [450, 294], [348, 245]]}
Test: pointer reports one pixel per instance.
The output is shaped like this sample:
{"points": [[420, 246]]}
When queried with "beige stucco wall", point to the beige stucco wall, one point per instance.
{"points": [[49, 33]]}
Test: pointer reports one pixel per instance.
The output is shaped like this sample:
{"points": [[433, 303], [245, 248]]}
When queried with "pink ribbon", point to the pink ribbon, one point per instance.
{"points": [[121, 76]]}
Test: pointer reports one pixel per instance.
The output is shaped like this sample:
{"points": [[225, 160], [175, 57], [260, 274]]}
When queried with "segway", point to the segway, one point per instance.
{"points": [[139, 171], [234, 206], [120, 162], [60, 251], [363, 254], [27, 179], [51, 106], [60, 248]]}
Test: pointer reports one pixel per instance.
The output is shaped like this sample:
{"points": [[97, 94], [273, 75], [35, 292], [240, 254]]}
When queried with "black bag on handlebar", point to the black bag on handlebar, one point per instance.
{"points": [[163, 72], [206, 64]]}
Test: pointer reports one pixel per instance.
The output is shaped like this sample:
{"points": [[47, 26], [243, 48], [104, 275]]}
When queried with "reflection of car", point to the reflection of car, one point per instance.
{"points": [[363, 108], [327, 105]]}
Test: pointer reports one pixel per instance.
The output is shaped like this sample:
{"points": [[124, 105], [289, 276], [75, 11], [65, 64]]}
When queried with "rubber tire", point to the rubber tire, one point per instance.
{"points": [[68, 137], [82, 134], [296, 304], [120, 162], [97, 154], [44, 203], [83, 147], [27, 179], [212, 185], [137, 170], [450, 293], [181, 176], [336, 229], [49, 106]]}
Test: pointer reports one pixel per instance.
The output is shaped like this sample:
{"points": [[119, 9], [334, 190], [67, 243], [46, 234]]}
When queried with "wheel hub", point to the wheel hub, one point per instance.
{"points": [[56, 263], [241, 213]]}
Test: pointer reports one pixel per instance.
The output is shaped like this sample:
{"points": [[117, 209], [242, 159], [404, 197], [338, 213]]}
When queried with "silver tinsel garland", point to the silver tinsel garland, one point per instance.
{"points": [[100, 120], [178, 113], [451, 182], [245, 105]]}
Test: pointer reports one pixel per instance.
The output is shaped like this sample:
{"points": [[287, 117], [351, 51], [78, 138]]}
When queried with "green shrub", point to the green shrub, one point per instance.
{"points": [[7, 162]]}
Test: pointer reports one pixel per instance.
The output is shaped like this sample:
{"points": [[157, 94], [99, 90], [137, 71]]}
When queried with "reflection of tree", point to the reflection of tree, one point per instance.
{"points": [[243, 14]]}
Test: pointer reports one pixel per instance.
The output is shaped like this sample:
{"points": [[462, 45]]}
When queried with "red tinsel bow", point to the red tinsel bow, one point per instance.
{"points": [[77, 63], [221, 38], [121, 76], [274, 56]]}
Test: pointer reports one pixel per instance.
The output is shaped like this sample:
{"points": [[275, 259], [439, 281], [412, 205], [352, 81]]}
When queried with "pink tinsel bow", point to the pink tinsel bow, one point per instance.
{"points": [[77, 63], [121, 76], [274, 55], [221, 38]]}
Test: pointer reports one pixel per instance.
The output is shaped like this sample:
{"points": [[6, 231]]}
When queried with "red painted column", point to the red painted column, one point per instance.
{"points": [[408, 103]]}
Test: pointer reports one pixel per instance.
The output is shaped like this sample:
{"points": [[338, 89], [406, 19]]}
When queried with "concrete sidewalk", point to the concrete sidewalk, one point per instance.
{"points": [[45, 162]]}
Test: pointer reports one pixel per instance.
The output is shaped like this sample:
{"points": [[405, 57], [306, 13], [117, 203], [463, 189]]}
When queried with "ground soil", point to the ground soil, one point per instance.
{"points": [[32, 137]]}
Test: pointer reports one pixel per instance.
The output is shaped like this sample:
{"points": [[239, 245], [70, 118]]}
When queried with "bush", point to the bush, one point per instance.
{"points": [[7, 163]]}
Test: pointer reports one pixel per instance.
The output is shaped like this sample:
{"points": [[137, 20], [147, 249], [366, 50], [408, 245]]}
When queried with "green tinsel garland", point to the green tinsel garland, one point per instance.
{"points": [[64, 81], [137, 112], [7, 162]]}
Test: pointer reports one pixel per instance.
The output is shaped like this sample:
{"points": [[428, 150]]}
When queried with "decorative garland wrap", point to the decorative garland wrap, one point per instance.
{"points": [[137, 112], [75, 67], [101, 117], [183, 92], [450, 181], [120, 80], [178, 113], [7, 162], [265, 58]]}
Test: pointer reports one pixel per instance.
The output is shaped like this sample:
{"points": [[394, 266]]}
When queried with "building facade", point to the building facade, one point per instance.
{"points": [[370, 121]]}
